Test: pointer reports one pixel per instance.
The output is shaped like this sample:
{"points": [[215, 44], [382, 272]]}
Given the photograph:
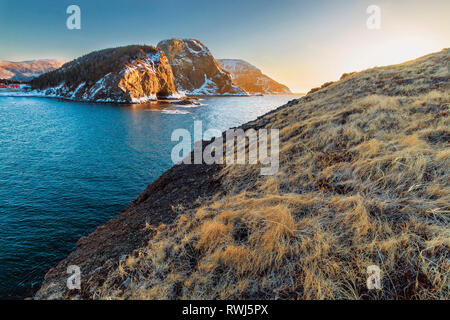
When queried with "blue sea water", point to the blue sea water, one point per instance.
{"points": [[68, 167]]}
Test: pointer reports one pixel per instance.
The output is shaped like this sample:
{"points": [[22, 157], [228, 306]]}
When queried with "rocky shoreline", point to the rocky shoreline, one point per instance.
{"points": [[96, 254]]}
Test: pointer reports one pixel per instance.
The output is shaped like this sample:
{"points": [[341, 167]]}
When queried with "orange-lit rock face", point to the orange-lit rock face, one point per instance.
{"points": [[195, 70], [149, 77]]}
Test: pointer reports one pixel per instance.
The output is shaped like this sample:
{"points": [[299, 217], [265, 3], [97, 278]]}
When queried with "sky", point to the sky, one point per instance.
{"points": [[299, 43]]}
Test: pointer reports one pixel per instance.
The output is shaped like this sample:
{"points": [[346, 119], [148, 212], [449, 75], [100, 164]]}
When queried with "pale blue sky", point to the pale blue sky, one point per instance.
{"points": [[299, 43]]}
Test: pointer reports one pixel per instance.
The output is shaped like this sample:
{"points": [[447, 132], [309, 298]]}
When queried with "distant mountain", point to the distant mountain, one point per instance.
{"points": [[250, 78], [131, 74], [27, 70], [195, 70]]}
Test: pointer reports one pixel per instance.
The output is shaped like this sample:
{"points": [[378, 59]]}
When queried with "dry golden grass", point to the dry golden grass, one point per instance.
{"points": [[363, 180]]}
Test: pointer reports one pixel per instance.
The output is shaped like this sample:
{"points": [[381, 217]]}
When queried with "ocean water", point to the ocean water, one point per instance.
{"points": [[68, 167]]}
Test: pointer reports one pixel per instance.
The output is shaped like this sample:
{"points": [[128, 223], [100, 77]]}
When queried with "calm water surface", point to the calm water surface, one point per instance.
{"points": [[68, 167]]}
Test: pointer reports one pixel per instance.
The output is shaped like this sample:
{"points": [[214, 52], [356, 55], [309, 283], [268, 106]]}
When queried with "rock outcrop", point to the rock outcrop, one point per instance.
{"points": [[132, 74], [27, 70], [250, 78], [195, 70]]}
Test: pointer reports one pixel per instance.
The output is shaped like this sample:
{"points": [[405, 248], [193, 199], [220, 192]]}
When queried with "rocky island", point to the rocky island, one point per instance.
{"points": [[137, 74], [175, 69], [27, 70]]}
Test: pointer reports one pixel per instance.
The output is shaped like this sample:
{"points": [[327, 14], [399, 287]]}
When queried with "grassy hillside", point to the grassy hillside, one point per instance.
{"points": [[363, 180]]}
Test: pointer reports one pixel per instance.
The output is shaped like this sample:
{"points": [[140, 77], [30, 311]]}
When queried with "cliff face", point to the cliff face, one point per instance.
{"points": [[130, 74], [250, 78], [363, 180], [27, 70], [195, 70]]}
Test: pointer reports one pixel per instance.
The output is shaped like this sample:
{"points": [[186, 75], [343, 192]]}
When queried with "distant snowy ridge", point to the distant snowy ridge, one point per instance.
{"points": [[27, 70], [250, 78]]}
